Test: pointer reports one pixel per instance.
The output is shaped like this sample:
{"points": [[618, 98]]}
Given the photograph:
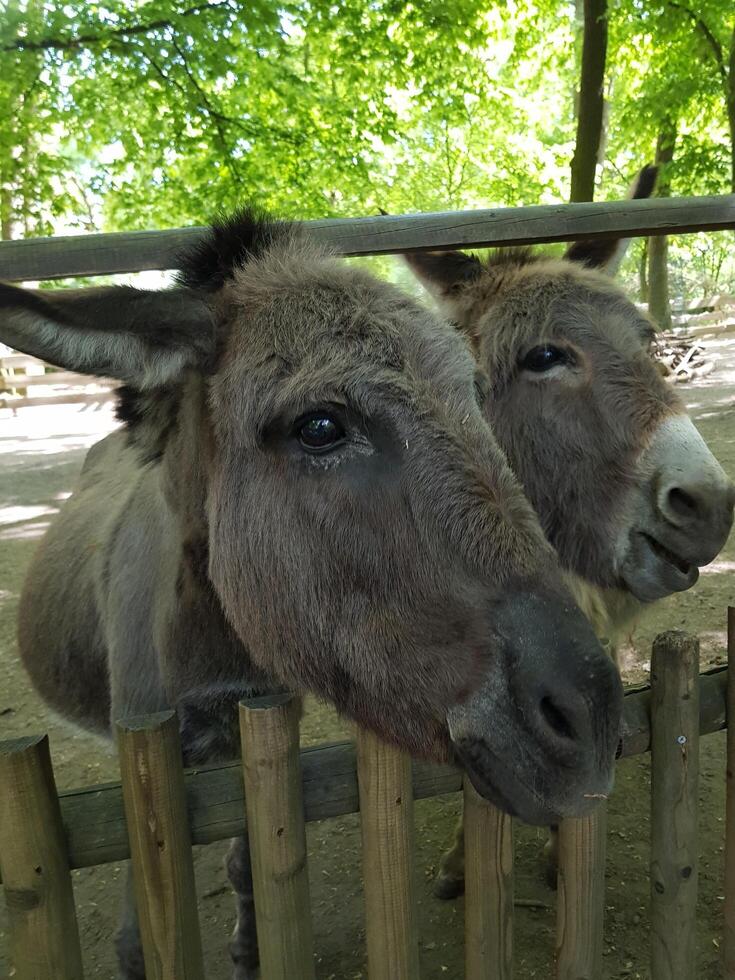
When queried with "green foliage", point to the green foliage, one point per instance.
{"points": [[144, 113]]}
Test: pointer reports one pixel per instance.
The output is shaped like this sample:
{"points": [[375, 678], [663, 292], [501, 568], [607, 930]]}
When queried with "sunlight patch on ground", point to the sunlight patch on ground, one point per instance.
{"points": [[46, 430], [29, 445], [714, 637], [718, 568], [14, 515]]}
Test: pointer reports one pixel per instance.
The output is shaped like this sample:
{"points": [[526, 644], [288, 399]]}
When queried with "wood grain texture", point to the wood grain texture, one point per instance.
{"points": [[160, 846], [94, 821], [269, 729], [674, 805], [488, 915], [386, 820], [580, 906], [104, 254], [728, 948], [42, 923]]}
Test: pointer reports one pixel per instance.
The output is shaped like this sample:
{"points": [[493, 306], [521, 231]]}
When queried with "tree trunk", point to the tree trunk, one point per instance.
{"points": [[731, 118], [589, 114], [659, 303], [6, 214], [643, 272]]}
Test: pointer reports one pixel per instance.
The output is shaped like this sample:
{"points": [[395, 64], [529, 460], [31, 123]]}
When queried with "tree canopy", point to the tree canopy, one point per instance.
{"points": [[144, 114]]}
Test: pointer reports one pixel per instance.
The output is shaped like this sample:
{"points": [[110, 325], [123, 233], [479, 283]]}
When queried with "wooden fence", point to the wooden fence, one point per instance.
{"points": [[157, 811], [138, 251], [26, 381]]}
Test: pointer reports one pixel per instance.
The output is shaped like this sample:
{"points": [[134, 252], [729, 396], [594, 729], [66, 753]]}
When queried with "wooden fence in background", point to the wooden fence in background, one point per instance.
{"points": [[26, 381], [157, 811]]}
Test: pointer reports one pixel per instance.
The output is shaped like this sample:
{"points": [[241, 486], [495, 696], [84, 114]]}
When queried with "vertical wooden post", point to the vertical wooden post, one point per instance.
{"points": [[269, 728], [386, 817], [729, 937], [674, 786], [580, 907], [488, 915], [160, 846], [44, 938]]}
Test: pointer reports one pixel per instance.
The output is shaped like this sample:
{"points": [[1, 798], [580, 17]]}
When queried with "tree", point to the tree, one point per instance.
{"points": [[714, 22], [659, 305], [162, 112], [591, 101]]}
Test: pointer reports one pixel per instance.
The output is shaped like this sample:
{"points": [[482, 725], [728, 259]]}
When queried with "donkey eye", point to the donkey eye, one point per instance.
{"points": [[320, 432], [540, 359]]}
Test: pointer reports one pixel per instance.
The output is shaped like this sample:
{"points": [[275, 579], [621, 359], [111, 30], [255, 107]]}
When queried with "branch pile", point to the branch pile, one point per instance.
{"points": [[681, 358]]}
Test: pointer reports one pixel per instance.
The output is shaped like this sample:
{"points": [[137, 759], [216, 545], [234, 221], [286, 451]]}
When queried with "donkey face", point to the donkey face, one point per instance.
{"points": [[366, 538], [625, 487]]}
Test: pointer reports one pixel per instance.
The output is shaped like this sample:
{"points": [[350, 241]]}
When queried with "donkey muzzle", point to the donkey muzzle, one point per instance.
{"points": [[538, 737]]}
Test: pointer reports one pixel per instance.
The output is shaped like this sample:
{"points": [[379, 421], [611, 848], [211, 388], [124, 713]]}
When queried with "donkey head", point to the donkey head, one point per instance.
{"points": [[366, 538], [625, 488]]}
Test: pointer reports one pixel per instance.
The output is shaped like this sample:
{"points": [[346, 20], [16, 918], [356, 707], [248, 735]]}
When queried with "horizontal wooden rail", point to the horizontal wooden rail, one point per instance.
{"points": [[51, 378], [94, 821], [136, 251], [61, 398]]}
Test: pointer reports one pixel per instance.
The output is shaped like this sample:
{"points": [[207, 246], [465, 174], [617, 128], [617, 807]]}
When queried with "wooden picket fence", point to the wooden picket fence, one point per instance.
{"points": [[157, 812]]}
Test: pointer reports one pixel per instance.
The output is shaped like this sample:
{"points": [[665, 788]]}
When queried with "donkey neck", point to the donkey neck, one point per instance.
{"points": [[186, 456]]}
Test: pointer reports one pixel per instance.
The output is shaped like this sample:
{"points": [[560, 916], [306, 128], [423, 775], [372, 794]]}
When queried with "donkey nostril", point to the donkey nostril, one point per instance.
{"points": [[556, 719], [682, 503]]}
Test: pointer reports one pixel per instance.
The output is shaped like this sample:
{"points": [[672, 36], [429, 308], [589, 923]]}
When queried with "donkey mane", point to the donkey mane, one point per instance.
{"points": [[516, 256], [231, 241], [150, 416]]}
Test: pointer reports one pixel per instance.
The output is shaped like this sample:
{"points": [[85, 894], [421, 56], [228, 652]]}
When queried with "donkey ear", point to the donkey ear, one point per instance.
{"points": [[608, 254], [443, 273], [141, 337]]}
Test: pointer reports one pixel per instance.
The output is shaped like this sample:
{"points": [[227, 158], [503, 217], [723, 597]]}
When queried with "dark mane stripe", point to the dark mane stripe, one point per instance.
{"points": [[150, 416], [230, 242], [515, 255]]}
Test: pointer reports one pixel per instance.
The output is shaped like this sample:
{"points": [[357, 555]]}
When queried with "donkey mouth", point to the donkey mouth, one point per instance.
{"points": [[651, 569], [665, 554], [504, 787], [516, 802]]}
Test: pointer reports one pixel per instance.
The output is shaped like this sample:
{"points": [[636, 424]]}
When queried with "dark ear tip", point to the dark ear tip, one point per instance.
{"points": [[12, 296], [445, 270], [383, 212], [645, 182]]}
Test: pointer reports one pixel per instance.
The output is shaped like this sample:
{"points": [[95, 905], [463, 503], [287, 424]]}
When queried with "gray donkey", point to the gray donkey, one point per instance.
{"points": [[306, 493], [624, 486]]}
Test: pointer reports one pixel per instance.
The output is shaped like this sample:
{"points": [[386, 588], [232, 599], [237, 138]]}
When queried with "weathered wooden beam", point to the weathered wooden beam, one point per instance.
{"points": [[42, 921], [269, 733], [674, 805], [728, 944], [94, 823], [488, 907], [580, 908], [163, 870], [387, 825], [104, 254]]}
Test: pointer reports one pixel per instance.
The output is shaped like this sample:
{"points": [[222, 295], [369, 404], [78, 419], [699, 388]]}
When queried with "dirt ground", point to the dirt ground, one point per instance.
{"points": [[40, 454]]}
